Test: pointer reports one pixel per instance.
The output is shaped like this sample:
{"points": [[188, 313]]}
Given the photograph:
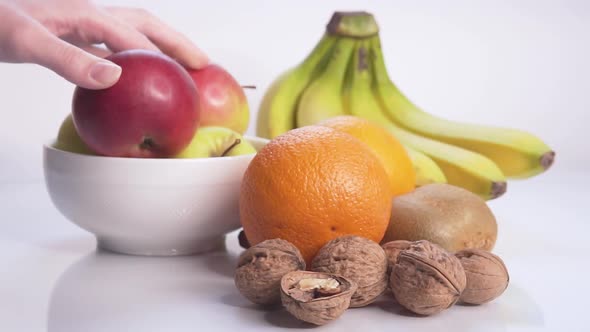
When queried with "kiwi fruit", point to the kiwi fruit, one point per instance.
{"points": [[449, 216]]}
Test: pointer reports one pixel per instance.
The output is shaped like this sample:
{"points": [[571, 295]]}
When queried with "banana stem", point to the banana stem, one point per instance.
{"points": [[352, 24], [380, 72], [336, 69]]}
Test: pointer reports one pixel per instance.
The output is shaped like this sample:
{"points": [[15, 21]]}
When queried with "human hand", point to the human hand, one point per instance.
{"points": [[63, 35]]}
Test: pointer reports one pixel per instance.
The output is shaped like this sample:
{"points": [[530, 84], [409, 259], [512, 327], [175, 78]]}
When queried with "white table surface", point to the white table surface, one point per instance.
{"points": [[54, 280]]}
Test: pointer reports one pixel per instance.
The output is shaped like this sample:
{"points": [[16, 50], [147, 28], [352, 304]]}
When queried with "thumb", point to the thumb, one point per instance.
{"points": [[72, 63]]}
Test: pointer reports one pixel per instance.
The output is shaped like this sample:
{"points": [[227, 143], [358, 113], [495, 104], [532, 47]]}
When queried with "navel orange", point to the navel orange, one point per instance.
{"points": [[311, 185]]}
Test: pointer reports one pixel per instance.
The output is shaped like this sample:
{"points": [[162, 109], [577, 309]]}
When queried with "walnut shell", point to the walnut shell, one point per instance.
{"points": [[427, 279], [261, 267], [316, 305], [358, 259], [487, 276], [392, 250]]}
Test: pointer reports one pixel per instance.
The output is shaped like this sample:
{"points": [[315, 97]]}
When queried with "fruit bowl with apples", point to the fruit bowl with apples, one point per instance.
{"points": [[153, 164]]}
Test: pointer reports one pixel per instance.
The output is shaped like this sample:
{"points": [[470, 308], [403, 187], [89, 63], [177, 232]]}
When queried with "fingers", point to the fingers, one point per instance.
{"points": [[119, 29], [170, 41], [72, 63], [116, 34], [96, 51], [174, 43]]}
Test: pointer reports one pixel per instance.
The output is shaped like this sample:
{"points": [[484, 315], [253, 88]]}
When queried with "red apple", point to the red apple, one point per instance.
{"points": [[152, 111], [222, 99]]}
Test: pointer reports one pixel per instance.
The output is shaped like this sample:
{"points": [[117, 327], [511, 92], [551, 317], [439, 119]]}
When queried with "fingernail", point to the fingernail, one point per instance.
{"points": [[105, 73]]}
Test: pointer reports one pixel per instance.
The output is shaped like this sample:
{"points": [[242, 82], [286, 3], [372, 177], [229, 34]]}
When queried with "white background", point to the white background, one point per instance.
{"points": [[523, 64]]}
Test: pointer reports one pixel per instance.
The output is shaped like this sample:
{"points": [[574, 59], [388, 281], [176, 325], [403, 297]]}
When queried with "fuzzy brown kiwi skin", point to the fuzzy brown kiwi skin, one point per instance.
{"points": [[449, 216]]}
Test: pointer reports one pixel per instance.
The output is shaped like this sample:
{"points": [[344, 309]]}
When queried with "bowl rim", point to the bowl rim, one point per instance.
{"points": [[50, 146]]}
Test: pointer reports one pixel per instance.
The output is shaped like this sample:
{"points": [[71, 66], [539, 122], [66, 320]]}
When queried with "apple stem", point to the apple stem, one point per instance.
{"points": [[147, 143], [236, 142], [253, 87]]}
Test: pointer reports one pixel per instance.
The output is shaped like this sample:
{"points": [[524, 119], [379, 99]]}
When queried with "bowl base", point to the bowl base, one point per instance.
{"points": [[129, 247]]}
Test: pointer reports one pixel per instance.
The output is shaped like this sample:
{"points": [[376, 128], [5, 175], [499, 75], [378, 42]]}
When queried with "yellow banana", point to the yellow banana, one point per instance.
{"points": [[276, 114], [427, 171], [355, 96], [517, 153], [461, 167], [322, 99]]}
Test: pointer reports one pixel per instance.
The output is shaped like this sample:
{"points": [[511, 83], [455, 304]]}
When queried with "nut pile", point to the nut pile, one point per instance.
{"points": [[351, 271]]}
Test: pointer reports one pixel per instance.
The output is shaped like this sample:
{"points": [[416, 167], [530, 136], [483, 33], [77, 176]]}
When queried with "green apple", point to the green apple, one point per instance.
{"points": [[69, 140], [213, 141]]}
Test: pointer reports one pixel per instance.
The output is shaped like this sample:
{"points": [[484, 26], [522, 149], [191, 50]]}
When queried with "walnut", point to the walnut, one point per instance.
{"points": [[487, 276], [316, 297], [358, 259], [427, 279], [261, 267], [392, 250]]}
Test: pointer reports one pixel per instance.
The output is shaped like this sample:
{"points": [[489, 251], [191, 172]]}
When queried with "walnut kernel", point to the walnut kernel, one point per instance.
{"points": [[315, 297]]}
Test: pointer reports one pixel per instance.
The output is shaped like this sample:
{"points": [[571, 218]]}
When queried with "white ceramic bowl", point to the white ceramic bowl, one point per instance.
{"points": [[148, 206]]}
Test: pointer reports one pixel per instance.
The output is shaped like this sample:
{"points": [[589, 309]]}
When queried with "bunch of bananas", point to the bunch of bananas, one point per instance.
{"points": [[346, 74]]}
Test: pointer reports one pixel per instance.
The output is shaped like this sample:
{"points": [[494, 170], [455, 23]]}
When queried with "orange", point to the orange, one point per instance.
{"points": [[311, 185], [386, 147]]}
